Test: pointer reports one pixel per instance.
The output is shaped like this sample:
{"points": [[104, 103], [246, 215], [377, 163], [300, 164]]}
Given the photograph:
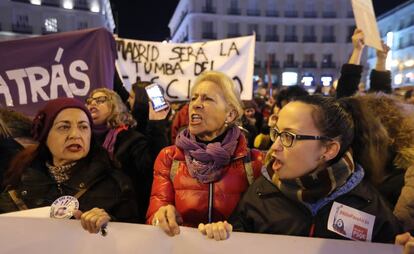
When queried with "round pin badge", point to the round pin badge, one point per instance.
{"points": [[63, 207]]}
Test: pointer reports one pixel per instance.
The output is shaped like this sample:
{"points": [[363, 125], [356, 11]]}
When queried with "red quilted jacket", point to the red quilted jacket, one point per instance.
{"points": [[180, 121], [189, 196]]}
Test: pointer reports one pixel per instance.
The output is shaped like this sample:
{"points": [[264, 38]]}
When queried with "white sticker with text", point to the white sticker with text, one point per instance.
{"points": [[351, 223]]}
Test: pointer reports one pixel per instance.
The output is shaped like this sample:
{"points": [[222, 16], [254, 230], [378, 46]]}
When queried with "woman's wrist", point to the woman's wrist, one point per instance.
{"points": [[380, 66], [355, 56]]}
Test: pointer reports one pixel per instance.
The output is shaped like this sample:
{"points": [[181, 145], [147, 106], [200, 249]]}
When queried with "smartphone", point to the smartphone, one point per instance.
{"points": [[154, 93]]}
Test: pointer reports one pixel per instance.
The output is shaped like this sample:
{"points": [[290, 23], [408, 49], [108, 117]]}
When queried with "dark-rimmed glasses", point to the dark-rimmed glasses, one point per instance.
{"points": [[98, 100], [288, 138]]}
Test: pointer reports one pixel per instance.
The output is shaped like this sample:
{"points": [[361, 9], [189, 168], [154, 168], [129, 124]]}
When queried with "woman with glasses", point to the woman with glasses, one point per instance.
{"points": [[134, 152], [314, 187], [202, 177], [68, 162]]}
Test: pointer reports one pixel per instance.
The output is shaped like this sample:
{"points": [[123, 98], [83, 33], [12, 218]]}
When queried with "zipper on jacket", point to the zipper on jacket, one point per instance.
{"points": [[312, 228], [210, 202]]}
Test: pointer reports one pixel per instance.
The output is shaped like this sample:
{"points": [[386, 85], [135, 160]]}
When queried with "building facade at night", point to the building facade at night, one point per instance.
{"points": [[302, 41], [26, 18], [397, 30]]}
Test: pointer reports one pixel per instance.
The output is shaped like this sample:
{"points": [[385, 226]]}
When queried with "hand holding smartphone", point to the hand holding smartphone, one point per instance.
{"points": [[156, 97]]}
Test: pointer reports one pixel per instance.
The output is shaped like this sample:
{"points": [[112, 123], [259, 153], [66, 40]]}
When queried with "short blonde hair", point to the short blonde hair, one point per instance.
{"points": [[230, 92], [119, 112]]}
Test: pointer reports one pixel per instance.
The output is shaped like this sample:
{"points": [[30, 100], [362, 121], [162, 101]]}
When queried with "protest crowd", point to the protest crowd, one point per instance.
{"points": [[285, 162]]}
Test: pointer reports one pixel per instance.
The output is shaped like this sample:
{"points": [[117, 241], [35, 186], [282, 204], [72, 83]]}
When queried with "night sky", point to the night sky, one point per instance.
{"points": [[148, 19]]}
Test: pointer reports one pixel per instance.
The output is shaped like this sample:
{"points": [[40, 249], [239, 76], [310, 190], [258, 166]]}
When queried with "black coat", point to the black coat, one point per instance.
{"points": [[8, 149], [107, 188], [253, 131], [136, 153], [349, 80], [380, 81], [264, 209]]}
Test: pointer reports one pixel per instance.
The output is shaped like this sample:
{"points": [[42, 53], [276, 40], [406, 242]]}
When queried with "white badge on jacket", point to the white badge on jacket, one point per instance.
{"points": [[63, 207], [350, 222]]}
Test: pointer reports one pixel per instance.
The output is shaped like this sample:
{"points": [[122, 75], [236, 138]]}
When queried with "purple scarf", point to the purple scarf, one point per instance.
{"points": [[110, 139], [206, 162], [110, 136]]}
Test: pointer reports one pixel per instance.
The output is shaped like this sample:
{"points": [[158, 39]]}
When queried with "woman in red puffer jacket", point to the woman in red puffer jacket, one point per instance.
{"points": [[202, 177]]}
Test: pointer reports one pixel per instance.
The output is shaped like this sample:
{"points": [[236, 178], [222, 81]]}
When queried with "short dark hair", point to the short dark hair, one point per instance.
{"points": [[332, 120], [289, 94]]}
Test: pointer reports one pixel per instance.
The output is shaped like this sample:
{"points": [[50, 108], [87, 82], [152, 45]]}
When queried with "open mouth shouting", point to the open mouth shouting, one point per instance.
{"points": [[277, 164], [195, 119], [94, 112]]}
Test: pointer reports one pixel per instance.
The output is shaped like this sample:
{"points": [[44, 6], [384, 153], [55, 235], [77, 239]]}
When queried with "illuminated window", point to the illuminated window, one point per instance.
{"points": [[68, 4], [36, 2], [398, 79], [289, 78], [307, 81], [51, 25], [95, 7], [409, 63], [326, 80]]}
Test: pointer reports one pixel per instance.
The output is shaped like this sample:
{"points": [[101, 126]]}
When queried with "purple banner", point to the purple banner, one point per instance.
{"points": [[71, 64]]}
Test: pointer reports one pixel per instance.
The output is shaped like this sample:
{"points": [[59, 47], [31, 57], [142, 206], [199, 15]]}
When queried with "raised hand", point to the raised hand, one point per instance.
{"points": [[157, 115], [358, 43], [382, 57]]}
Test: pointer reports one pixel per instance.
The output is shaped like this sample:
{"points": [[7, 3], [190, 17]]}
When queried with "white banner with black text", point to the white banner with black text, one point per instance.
{"points": [[175, 66]]}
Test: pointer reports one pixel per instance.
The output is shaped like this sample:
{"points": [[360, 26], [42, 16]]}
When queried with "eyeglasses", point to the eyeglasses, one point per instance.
{"points": [[287, 138], [98, 100]]}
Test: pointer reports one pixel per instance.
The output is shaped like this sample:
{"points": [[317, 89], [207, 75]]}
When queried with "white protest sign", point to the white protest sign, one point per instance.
{"points": [[41, 212], [38, 236], [350, 222], [175, 66], [365, 20]]}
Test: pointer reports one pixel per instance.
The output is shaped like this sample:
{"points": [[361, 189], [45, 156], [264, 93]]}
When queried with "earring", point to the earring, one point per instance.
{"points": [[322, 157], [226, 124]]}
